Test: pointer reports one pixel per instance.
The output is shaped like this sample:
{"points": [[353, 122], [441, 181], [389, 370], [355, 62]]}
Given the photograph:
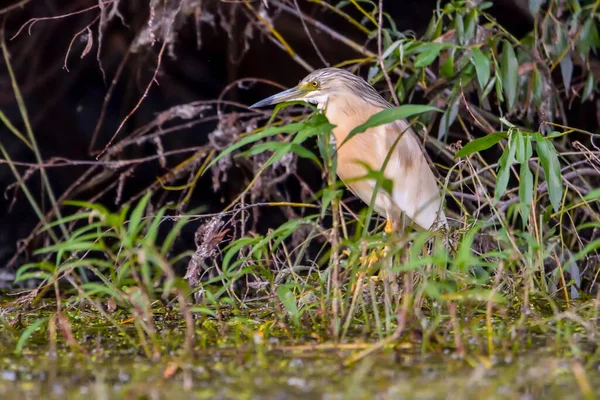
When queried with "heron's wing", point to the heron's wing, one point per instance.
{"points": [[415, 189]]}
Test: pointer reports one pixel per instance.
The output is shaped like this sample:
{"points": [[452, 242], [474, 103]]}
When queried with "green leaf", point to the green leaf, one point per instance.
{"points": [[489, 87], [482, 66], [272, 131], [520, 152], [304, 153], [138, 213], [470, 25], [390, 115], [203, 310], [448, 118], [593, 195], [286, 296], [70, 246], [551, 166], [152, 232], [231, 251], [525, 191], [173, 233], [566, 70], [28, 332], [432, 29], [498, 85], [481, 144], [587, 37], [313, 127], [447, 69], [428, 56], [262, 147], [34, 271], [510, 73], [588, 88], [528, 147], [459, 26], [391, 48], [400, 90], [506, 161], [328, 196]]}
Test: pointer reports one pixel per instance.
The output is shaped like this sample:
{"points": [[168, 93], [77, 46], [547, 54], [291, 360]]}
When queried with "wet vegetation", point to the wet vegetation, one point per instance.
{"points": [[159, 239]]}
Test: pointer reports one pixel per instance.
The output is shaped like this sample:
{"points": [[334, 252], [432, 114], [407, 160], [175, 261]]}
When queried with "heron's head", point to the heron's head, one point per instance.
{"points": [[324, 85]]}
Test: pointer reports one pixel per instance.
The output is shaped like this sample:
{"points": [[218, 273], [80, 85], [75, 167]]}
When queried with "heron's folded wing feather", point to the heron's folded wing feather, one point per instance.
{"points": [[415, 189]]}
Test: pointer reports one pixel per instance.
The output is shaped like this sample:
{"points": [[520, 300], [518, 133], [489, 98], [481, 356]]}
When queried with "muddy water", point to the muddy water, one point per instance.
{"points": [[292, 374]]}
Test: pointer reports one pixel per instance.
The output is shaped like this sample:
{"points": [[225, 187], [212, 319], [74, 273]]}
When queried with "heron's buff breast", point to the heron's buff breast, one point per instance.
{"points": [[415, 190], [366, 147]]}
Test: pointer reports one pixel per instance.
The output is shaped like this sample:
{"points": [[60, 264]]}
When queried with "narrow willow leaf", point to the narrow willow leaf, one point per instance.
{"points": [[391, 48], [470, 25], [566, 70], [520, 151], [510, 73], [506, 161], [391, 115], [459, 26], [317, 125], [586, 38], [401, 90], [506, 122], [528, 147], [262, 147], [427, 57], [447, 69], [448, 119], [593, 195], [303, 152], [489, 87], [430, 33], [551, 166], [498, 82], [372, 73], [525, 191], [480, 144], [272, 131], [588, 88], [482, 66]]}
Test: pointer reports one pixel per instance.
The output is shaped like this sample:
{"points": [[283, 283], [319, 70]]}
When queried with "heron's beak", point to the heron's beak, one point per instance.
{"points": [[294, 93]]}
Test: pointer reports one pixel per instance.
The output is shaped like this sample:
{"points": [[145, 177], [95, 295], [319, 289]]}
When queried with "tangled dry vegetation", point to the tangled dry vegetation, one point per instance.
{"points": [[255, 196]]}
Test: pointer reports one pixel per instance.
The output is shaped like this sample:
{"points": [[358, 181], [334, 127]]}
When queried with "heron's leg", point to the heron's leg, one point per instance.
{"points": [[390, 278], [389, 226]]}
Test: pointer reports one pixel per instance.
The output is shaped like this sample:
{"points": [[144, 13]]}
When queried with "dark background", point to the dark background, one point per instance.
{"points": [[210, 49]]}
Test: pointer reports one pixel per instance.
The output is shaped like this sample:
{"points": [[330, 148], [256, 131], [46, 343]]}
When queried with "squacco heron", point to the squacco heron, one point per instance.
{"points": [[348, 101]]}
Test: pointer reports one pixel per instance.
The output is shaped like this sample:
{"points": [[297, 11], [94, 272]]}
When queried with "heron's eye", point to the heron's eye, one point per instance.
{"points": [[314, 84]]}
